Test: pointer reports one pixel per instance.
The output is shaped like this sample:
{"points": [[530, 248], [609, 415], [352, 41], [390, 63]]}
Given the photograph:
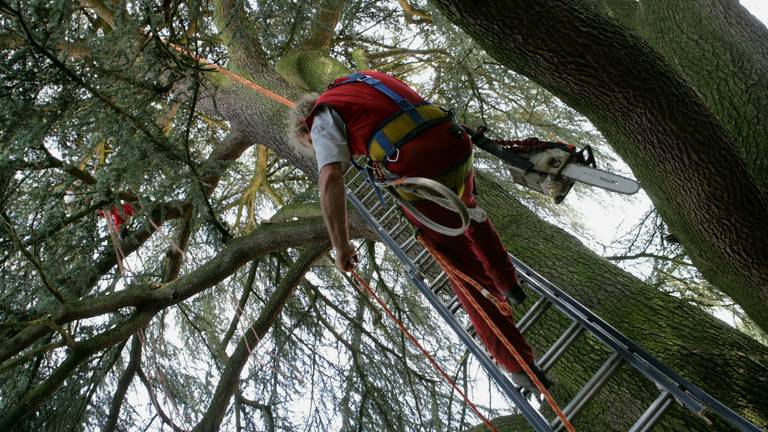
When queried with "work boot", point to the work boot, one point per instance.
{"points": [[516, 296], [522, 380]]}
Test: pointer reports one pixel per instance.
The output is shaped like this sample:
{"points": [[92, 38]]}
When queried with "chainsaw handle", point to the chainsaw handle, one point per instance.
{"points": [[589, 160]]}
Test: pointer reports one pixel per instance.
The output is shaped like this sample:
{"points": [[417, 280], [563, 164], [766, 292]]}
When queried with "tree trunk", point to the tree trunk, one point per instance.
{"points": [[724, 362], [725, 58], [687, 161]]}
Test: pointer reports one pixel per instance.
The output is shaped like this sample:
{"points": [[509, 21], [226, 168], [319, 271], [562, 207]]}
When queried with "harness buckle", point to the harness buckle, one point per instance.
{"points": [[397, 156]]}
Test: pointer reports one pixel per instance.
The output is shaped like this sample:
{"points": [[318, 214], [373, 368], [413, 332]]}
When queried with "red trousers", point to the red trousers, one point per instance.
{"points": [[479, 254]]}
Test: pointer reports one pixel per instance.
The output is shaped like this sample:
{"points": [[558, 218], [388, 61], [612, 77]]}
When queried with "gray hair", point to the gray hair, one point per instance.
{"points": [[297, 124]]}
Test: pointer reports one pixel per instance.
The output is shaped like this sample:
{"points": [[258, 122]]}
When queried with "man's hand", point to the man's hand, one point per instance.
{"points": [[346, 258]]}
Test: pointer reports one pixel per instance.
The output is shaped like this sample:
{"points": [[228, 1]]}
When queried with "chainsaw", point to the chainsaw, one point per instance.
{"points": [[552, 168]]}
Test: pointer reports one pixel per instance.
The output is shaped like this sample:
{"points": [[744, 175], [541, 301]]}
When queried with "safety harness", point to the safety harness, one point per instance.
{"points": [[394, 132]]}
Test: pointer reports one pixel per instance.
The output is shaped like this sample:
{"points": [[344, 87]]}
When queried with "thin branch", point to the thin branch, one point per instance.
{"points": [[228, 381], [269, 418], [640, 255], [35, 262], [240, 304], [9, 364], [81, 352], [163, 416], [138, 125]]}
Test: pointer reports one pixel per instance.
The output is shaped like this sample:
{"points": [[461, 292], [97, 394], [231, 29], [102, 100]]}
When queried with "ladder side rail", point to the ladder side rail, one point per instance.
{"points": [[631, 353], [686, 393], [536, 420]]}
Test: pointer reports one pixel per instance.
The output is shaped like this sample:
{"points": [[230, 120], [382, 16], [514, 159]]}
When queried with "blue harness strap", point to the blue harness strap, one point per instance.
{"points": [[372, 181], [401, 102], [386, 144], [405, 107]]}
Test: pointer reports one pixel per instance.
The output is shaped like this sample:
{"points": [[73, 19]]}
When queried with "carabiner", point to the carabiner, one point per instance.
{"points": [[397, 156]]}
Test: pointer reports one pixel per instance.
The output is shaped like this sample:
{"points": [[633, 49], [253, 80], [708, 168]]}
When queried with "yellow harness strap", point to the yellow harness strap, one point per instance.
{"points": [[401, 128]]}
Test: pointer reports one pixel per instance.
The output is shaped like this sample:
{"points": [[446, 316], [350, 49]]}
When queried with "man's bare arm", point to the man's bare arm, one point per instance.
{"points": [[334, 206]]}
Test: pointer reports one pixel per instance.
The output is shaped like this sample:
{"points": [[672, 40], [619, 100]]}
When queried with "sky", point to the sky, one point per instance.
{"points": [[758, 8]]}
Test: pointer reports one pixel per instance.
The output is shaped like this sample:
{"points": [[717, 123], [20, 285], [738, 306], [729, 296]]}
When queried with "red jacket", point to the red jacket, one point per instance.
{"points": [[118, 214], [364, 109]]}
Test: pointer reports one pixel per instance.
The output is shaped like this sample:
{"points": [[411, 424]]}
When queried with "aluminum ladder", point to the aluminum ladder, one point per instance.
{"points": [[397, 234]]}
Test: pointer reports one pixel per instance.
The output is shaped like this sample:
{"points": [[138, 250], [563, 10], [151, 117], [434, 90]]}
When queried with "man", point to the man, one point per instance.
{"points": [[364, 114]]}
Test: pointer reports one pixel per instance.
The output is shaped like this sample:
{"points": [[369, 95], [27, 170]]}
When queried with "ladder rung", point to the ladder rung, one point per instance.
{"points": [[354, 177], [427, 265], [442, 286], [454, 305], [375, 208], [589, 390], [397, 229], [364, 186], [394, 218], [408, 243], [420, 257], [533, 314], [439, 282], [382, 220], [371, 193], [470, 329], [557, 349], [359, 188], [653, 413]]}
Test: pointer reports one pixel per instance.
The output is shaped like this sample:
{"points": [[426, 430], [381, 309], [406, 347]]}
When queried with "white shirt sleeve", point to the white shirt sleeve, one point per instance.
{"points": [[329, 138]]}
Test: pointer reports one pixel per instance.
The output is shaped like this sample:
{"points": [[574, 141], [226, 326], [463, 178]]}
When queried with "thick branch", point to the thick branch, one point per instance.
{"points": [[81, 352], [414, 15], [267, 239], [239, 34], [323, 25], [122, 385], [654, 119]]}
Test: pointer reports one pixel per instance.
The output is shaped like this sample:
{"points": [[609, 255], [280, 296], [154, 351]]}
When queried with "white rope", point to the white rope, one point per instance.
{"points": [[439, 194]]}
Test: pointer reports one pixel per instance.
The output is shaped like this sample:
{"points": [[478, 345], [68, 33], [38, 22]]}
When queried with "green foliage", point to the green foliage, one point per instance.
{"points": [[98, 109]]}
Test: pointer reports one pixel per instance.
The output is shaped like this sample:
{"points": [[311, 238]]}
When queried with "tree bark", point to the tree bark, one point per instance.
{"points": [[323, 26], [723, 50], [687, 162], [122, 385]]}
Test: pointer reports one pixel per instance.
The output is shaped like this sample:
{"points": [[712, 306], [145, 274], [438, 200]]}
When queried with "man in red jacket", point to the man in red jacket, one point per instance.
{"points": [[355, 116]]}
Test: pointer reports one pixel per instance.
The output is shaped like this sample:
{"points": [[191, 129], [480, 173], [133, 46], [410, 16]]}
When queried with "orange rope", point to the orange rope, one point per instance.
{"points": [[423, 350], [503, 307], [247, 83], [455, 274]]}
